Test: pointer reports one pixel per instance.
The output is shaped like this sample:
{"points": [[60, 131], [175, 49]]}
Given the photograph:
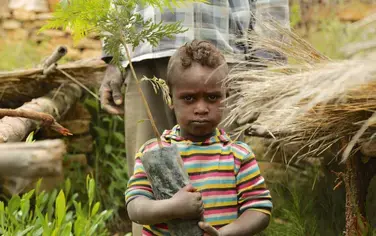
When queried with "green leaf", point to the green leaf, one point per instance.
{"points": [[107, 148], [14, 204], [50, 204], [67, 229], [28, 195], [60, 208], [91, 191], [25, 207], [25, 231], [102, 133], [30, 137], [95, 209], [119, 137], [67, 186], [2, 214]]}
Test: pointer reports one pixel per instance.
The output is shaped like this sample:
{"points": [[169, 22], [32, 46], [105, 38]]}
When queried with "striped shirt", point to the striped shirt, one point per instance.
{"points": [[225, 172], [225, 23]]}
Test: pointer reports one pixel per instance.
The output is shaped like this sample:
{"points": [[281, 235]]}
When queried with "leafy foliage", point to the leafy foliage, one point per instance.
{"points": [[108, 163], [116, 21], [40, 213]]}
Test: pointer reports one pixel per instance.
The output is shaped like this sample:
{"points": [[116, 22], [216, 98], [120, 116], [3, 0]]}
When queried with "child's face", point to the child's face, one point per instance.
{"points": [[196, 100]]}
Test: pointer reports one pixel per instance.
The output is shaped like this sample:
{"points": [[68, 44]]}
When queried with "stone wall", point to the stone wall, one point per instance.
{"points": [[21, 24]]}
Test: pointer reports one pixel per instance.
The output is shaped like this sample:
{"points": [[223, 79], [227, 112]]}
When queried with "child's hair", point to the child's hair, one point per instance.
{"points": [[199, 51]]}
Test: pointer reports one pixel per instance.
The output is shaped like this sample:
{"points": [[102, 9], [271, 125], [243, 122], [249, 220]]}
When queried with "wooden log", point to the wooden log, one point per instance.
{"points": [[38, 159], [163, 167], [56, 103], [369, 148], [18, 87], [357, 177], [49, 64]]}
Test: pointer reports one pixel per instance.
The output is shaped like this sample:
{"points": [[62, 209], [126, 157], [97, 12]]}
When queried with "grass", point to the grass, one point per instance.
{"points": [[16, 55]]}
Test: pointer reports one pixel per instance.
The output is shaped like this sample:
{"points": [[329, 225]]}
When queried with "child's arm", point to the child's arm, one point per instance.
{"points": [[249, 223], [185, 204], [254, 198]]}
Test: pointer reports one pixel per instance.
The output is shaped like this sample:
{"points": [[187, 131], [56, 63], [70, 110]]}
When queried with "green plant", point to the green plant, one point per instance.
{"points": [[108, 160], [56, 213]]}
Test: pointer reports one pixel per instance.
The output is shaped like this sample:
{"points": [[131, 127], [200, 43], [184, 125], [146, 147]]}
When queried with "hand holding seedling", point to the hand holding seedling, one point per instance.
{"points": [[187, 203]]}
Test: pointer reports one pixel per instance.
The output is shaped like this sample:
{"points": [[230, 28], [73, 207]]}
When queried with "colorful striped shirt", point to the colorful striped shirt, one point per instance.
{"points": [[225, 172]]}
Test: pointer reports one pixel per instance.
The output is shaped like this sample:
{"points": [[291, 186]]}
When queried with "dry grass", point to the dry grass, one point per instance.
{"points": [[310, 100]]}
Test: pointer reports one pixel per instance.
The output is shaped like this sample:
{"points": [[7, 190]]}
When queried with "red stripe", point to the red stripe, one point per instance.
{"points": [[249, 183], [220, 211], [212, 174], [220, 193]]}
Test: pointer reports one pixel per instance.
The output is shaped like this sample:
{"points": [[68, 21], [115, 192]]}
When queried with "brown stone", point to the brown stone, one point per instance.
{"points": [[54, 41], [80, 144], [54, 33], [78, 111], [76, 158], [36, 24], [77, 127], [52, 4], [11, 24], [355, 11], [87, 43], [91, 53], [17, 34], [44, 16], [23, 15]]}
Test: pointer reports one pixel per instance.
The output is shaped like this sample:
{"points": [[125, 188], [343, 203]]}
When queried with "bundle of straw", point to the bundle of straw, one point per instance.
{"points": [[310, 99]]}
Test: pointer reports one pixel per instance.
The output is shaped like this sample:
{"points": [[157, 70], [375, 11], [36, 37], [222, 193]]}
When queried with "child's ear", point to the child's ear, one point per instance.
{"points": [[171, 104]]}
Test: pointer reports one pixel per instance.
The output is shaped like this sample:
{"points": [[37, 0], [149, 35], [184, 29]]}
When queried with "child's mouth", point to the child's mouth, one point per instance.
{"points": [[200, 122]]}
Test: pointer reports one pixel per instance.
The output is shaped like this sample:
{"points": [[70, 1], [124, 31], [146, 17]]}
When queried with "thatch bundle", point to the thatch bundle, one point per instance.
{"points": [[18, 87], [310, 100]]}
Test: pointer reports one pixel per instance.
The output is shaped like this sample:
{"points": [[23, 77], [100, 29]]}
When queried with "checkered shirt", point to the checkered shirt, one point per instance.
{"points": [[225, 23]]}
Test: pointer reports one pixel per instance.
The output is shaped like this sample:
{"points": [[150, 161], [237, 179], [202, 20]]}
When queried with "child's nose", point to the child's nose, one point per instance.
{"points": [[201, 108]]}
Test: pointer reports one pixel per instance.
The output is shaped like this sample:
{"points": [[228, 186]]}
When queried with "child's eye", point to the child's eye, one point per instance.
{"points": [[188, 98], [213, 98]]}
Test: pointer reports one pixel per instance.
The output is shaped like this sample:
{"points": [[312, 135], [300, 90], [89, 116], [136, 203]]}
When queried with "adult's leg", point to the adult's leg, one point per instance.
{"points": [[138, 128]]}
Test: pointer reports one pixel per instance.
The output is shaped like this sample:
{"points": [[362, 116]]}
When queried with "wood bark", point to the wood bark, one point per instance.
{"points": [[357, 179], [163, 167], [56, 103], [38, 159], [18, 87]]}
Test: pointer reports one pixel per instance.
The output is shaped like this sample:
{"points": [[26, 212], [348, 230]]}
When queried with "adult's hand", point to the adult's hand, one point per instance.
{"points": [[110, 91]]}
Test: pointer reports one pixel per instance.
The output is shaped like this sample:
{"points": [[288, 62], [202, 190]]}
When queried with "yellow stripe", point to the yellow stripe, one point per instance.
{"points": [[248, 177], [211, 186], [220, 204], [197, 170]]}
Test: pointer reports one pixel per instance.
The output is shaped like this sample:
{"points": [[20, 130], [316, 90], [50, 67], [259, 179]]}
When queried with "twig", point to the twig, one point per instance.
{"points": [[148, 111], [46, 119], [49, 64], [79, 83]]}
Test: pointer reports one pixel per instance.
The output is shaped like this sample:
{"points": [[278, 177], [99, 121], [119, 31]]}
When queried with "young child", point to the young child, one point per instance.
{"points": [[226, 190]]}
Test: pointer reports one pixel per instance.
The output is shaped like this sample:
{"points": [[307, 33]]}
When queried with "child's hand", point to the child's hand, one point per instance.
{"points": [[208, 229], [187, 203]]}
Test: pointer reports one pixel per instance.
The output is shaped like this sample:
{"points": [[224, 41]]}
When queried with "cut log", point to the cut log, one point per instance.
{"points": [[164, 170], [56, 103], [18, 87], [38, 159], [369, 148]]}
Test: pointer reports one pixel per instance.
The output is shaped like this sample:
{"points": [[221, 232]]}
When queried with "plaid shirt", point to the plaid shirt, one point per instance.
{"points": [[225, 23]]}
